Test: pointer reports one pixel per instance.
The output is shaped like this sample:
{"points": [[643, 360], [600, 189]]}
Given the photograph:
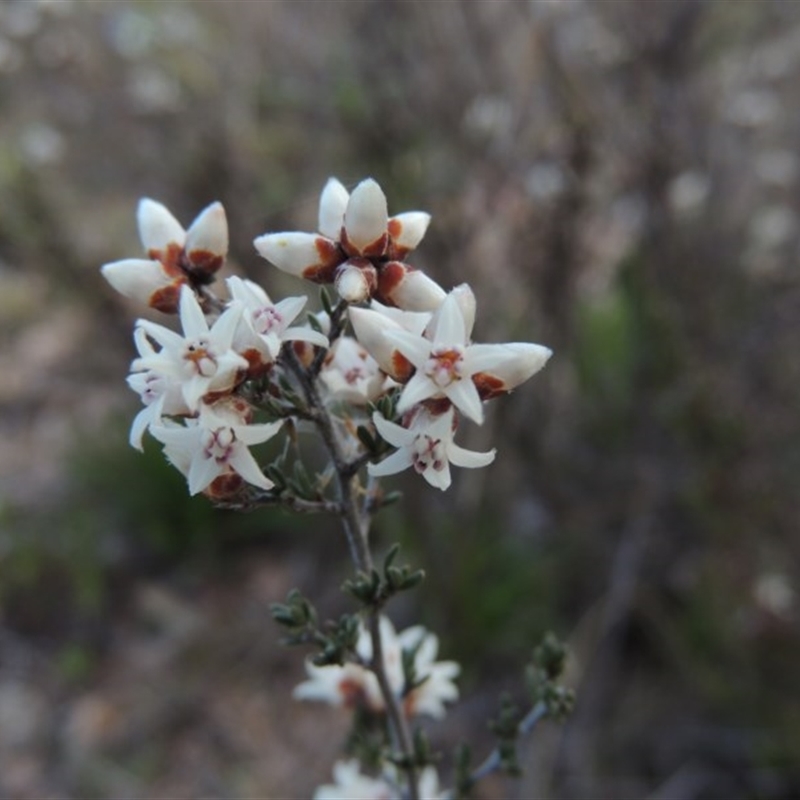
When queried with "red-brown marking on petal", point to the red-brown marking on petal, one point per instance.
{"points": [[320, 273], [304, 351], [167, 298], [437, 405], [205, 261], [352, 692], [391, 275], [488, 386], [366, 267], [225, 487], [395, 227], [256, 364], [402, 368], [171, 258], [374, 249]]}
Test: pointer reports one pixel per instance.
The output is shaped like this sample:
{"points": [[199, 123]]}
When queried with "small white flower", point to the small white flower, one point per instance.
{"points": [[160, 393], [350, 784], [174, 255], [358, 248], [216, 444], [447, 365], [352, 685], [264, 325], [351, 374], [201, 360], [427, 446]]}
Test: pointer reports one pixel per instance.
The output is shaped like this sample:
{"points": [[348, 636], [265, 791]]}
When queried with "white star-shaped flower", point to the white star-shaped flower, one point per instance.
{"points": [[352, 685], [215, 444], [264, 326], [351, 374], [201, 360], [426, 445], [447, 365]]}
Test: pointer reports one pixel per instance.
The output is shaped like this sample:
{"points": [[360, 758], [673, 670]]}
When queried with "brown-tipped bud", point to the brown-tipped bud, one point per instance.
{"points": [[207, 240], [369, 327], [365, 221], [356, 280], [305, 255]]}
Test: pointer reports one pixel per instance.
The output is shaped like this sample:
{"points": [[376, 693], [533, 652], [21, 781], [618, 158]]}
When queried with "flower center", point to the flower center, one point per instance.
{"points": [[353, 375], [199, 358], [266, 319], [445, 365], [218, 444], [427, 452]]}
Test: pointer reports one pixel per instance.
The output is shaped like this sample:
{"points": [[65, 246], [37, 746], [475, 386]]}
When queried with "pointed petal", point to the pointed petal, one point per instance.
{"points": [[467, 303], [407, 229], [243, 462], [409, 289], [305, 255], [136, 278], [248, 293], [468, 458], [391, 465], [141, 422], [464, 396], [395, 434], [306, 335], [175, 436], [369, 327], [289, 308], [416, 349], [202, 472], [367, 216], [208, 233], [332, 205], [225, 327], [157, 227], [192, 319], [513, 363], [164, 336], [256, 434], [412, 321], [439, 478], [449, 328], [419, 388]]}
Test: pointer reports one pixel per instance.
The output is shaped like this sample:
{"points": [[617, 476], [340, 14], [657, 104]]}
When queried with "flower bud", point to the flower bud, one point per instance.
{"points": [[207, 239], [356, 280], [408, 288], [305, 255]]}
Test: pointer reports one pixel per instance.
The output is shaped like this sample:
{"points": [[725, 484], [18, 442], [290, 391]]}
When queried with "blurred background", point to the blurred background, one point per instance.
{"points": [[618, 180]]}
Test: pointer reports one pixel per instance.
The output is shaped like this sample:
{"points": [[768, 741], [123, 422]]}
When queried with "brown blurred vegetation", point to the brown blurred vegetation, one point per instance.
{"points": [[619, 180]]}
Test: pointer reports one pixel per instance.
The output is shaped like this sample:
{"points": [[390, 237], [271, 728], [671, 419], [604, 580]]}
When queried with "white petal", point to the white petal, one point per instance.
{"points": [[468, 458], [164, 336], [395, 434], [209, 231], [514, 362], [467, 303], [439, 478], [136, 278], [464, 396], [417, 292], [289, 308], [449, 327], [412, 227], [256, 434], [369, 327], [245, 465], [332, 205], [194, 389], [192, 319], [367, 216], [202, 472], [248, 293], [396, 462], [157, 227], [142, 421], [175, 435], [291, 252], [416, 349], [224, 328], [419, 388], [305, 335]]}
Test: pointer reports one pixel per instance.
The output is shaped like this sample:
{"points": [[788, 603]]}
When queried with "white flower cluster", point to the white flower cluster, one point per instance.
{"points": [[409, 336], [351, 784]]}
